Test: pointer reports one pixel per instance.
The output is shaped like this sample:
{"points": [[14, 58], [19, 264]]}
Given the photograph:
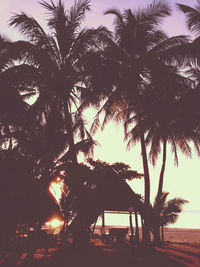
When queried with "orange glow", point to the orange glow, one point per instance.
{"points": [[56, 188], [63, 173], [56, 223]]}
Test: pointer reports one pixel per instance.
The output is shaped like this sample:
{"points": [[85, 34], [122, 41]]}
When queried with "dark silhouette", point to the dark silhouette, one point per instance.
{"points": [[164, 212], [138, 50], [95, 191], [133, 76]]}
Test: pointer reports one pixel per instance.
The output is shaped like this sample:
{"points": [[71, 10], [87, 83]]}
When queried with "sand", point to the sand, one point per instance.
{"points": [[182, 235], [182, 249]]}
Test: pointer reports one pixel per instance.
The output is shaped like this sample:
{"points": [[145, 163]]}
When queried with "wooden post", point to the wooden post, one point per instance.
{"points": [[136, 228], [103, 219], [142, 225], [131, 223]]}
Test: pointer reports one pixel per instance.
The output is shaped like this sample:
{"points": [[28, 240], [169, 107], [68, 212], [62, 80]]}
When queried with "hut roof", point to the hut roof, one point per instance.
{"points": [[116, 194]]}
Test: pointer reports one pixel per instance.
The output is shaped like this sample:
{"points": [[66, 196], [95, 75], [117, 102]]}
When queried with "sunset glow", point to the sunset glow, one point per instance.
{"points": [[56, 223], [56, 188]]}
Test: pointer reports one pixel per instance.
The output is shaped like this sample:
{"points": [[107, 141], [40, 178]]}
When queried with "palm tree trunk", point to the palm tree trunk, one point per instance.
{"points": [[70, 134], [160, 187], [162, 229], [156, 232], [146, 230]]}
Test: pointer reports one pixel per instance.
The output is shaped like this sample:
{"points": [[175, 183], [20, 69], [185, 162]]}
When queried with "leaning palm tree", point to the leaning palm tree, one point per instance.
{"points": [[58, 57], [165, 212], [138, 46]]}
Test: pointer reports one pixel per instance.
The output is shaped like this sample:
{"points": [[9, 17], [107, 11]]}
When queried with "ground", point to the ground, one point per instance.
{"points": [[98, 254]]}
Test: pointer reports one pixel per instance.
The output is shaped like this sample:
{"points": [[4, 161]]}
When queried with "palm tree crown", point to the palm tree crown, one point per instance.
{"points": [[58, 57]]}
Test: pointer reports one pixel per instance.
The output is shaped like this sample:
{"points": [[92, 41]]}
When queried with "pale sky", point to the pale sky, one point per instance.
{"points": [[183, 181]]}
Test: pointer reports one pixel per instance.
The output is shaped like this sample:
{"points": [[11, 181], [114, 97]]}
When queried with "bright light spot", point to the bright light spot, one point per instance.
{"points": [[56, 188], [56, 223], [63, 173]]}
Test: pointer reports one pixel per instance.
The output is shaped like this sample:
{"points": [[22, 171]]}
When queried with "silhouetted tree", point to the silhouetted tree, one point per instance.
{"points": [[138, 47], [58, 57], [165, 212]]}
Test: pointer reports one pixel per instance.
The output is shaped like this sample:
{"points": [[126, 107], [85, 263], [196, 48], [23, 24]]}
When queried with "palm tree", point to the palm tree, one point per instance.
{"points": [[138, 47], [163, 119], [58, 58], [14, 92], [165, 212]]}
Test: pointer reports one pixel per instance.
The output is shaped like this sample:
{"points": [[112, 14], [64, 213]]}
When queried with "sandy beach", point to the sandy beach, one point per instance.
{"points": [[178, 235], [182, 249], [182, 235]]}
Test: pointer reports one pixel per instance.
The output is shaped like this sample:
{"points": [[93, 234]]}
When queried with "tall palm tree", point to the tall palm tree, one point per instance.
{"points": [[165, 212], [164, 103], [163, 120], [137, 47], [58, 57]]}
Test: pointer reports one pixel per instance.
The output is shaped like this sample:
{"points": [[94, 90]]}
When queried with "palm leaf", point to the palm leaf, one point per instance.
{"points": [[192, 17], [31, 29]]}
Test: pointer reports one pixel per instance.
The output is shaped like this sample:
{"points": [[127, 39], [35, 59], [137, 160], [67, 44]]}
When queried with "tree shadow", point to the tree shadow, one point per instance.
{"points": [[105, 256]]}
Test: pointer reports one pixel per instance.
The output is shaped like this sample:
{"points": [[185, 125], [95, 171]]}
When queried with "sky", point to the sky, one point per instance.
{"points": [[182, 181]]}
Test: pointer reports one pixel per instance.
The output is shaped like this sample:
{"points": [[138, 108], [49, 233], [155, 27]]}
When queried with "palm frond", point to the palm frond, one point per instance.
{"points": [[155, 148], [95, 124], [77, 12], [166, 44], [192, 17], [184, 146], [49, 7], [159, 204], [155, 12], [174, 151], [133, 136], [31, 29]]}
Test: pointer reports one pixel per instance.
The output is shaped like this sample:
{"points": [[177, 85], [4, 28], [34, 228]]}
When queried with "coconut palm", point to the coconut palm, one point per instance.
{"points": [[165, 212], [58, 57], [163, 119], [163, 104], [137, 48]]}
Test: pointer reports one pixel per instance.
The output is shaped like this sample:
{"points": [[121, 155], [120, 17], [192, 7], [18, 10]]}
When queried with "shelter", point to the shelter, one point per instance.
{"points": [[102, 190]]}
